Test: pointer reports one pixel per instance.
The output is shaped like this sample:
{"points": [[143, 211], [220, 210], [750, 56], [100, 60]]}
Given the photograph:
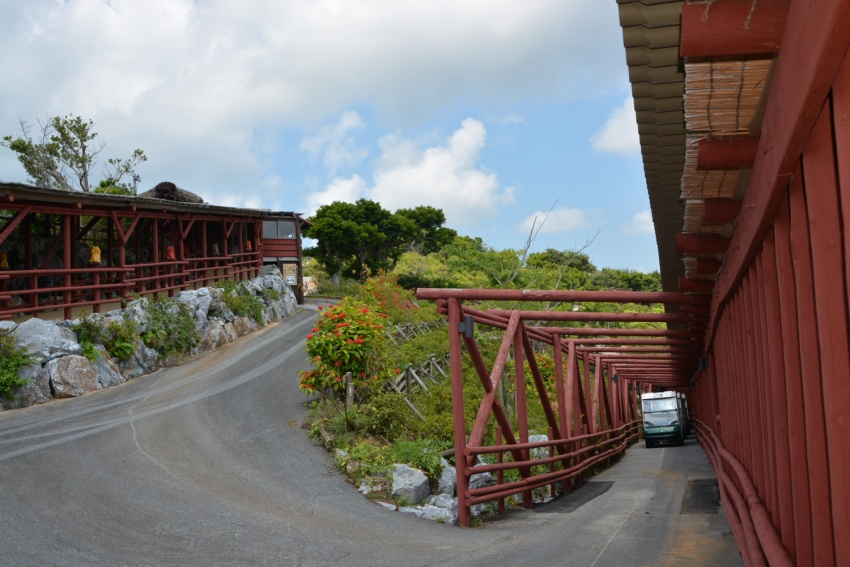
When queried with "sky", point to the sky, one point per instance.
{"points": [[499, 112]]}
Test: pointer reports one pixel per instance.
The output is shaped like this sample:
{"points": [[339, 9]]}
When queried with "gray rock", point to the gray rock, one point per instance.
{"points": [[201, 318], [189, 298], [269, 270], [144, 361], [107, 371], [438, 514], [255, 286], [63, 347], [443, 501], [71, 376], [214, 335], [204, 300], [409, 484], [243, 325], [215, 298], [225, 313], [37, 391], [540, 452], [7, 327], [45, 338], [481, 480], [447, 483]]}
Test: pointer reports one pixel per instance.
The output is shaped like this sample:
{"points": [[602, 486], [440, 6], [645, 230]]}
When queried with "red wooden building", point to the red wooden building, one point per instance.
{"points": [[61, 252]]}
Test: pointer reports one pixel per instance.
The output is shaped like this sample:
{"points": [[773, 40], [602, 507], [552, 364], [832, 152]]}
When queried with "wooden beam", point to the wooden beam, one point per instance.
{"points": [[14, 222], [695, 286], [815, 44], [732, 27], [720, 211], [720, 152], [699, 244]]}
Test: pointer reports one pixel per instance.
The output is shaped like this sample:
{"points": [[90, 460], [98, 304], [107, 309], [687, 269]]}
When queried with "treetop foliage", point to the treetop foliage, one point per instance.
{"points": [[61, 152]]}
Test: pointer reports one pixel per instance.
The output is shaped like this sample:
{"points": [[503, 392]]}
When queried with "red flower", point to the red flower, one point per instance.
{"points": [[349, 341], [398, 370], [315, 330], [338, 363], [309, 337], [358, 341], [362, 374], [321, 307]]}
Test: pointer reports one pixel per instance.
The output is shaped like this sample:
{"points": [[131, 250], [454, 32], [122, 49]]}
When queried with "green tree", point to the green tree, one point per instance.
{"points": [[430, 235], [357, 239], [62, 151]]}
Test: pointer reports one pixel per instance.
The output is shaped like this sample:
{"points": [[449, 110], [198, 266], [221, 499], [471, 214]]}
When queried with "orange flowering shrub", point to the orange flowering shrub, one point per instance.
{"points": [[384, 293], [348, 337]]}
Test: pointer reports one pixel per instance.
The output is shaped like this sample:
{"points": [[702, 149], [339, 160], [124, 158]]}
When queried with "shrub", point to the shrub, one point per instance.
{"points": [[120, 338], [240, 300], [89, 331], [385, 416], [422, 454], [171, 327], [348, 337], [383, 293], [12, 360]]}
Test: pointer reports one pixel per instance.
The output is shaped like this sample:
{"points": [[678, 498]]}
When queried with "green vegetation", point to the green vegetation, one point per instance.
{"points": [[118, 338], [358, 239], [12, 360], [240, 300], [381, 429], [61, 153], [171, 327]]}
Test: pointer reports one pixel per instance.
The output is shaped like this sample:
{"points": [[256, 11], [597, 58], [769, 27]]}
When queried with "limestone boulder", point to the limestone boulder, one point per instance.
{"points": [[447, 483], [36, 391], [144, 361], [243, 325], [71, 376], [46, 340], [204, 300], [108, 373], [409, 484], [189, 298]]}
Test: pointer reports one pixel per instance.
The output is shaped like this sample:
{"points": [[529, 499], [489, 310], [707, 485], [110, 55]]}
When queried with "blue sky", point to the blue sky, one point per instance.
{"points": [[494, 111]]}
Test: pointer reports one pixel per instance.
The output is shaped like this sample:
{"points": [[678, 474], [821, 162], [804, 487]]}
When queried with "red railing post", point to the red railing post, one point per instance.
{"points": [[461, 465]]}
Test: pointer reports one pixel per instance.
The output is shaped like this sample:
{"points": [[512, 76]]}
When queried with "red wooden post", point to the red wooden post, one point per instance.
{"points": [[826, 230], [66, 264], [521, 405], [456, 363], [810, 364], [800, 496]]}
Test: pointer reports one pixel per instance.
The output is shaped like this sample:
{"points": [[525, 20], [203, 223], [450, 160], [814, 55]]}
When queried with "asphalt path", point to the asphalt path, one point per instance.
{"points": [[205, 464]]}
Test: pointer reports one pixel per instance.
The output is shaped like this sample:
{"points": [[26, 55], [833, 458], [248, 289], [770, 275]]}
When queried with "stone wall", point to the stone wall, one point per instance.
{"points": [[59, 369]]}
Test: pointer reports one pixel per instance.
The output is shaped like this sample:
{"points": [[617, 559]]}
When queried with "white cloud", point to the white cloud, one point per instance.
{"points": [[641, 223], [340, 189], [338, 147], [619, 135], [559, 220], [446, 176], [191, 82]]}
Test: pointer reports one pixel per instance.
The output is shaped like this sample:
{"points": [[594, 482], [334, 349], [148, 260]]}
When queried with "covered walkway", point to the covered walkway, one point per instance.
{"points": [[742, 109]]}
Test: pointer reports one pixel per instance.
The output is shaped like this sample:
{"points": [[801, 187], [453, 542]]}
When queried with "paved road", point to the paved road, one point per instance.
{"points": [[204, 465]]}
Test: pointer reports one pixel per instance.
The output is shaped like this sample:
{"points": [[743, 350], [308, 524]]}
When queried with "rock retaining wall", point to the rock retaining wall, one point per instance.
{"points": [[59, 369]]}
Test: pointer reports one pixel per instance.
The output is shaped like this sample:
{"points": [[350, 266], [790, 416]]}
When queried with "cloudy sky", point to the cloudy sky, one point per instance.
{"points": [[496, 111]]}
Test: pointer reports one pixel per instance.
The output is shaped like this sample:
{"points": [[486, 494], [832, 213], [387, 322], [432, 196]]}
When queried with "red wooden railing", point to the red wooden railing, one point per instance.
{"points": [[592, 418], [53, 289]]}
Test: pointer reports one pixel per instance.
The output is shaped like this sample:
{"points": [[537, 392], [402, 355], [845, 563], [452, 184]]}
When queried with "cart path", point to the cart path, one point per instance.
{"points": [[205, 464]]}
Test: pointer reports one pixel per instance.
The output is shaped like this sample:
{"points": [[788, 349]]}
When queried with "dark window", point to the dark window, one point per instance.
{"points": [[285, 229], [269, 229]]}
